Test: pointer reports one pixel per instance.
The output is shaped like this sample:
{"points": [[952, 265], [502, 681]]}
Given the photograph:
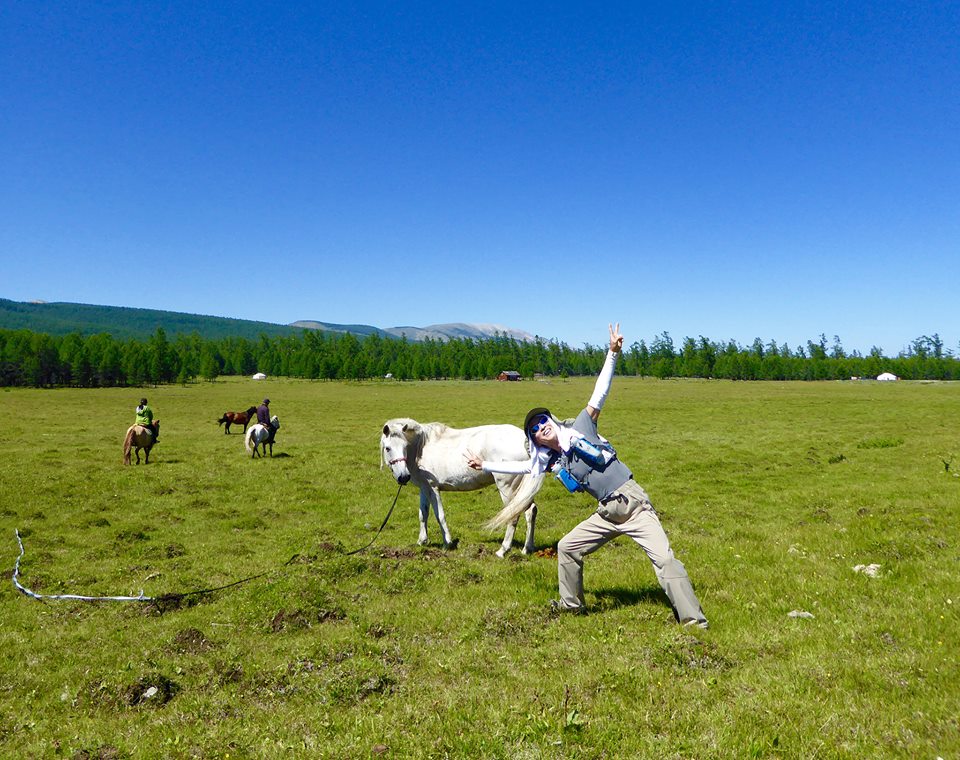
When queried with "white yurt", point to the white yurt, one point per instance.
{"points": [[259, 376], [886, 377]]}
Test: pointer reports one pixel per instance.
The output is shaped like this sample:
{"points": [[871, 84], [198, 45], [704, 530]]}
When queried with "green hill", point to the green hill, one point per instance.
{"points": [[123, 322]]}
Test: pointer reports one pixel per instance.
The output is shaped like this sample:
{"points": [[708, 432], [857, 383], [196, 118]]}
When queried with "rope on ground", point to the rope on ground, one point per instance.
{"points": [[173, 597], [76, 597]]}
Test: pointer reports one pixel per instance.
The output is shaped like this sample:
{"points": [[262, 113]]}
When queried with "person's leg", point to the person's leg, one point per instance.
{"points": [[644, 527], [584, 539]]}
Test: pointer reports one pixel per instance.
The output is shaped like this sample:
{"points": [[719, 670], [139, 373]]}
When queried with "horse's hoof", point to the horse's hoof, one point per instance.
{"points": [[501, 552]]}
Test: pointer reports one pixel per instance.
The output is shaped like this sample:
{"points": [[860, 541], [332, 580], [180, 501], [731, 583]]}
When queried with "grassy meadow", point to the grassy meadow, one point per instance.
{"points": [[771, 494]]}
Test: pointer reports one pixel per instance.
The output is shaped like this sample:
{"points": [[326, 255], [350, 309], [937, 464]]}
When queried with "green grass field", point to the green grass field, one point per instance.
{"points": [[771, 494]]}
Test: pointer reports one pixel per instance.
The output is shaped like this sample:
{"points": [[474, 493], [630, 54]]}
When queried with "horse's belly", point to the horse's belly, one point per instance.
{"points": [[467, 483]]}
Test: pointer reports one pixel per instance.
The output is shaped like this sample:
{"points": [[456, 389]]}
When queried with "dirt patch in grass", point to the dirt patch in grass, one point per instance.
{"points": [[227, 673], [171, 551], [132, 536], [192, 641], [150, 690], [103, 752], [299, 619], [392, 552]]}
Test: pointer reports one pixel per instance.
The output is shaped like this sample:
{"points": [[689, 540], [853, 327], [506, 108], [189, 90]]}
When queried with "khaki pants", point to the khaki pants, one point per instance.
{"points": [[636, 518]]}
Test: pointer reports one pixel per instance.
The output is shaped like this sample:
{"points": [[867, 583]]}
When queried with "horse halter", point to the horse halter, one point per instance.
{"points": [[398, 459]]}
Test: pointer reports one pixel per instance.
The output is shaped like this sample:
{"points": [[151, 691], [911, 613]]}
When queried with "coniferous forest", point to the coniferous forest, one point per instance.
{"points": [[41, 360]]}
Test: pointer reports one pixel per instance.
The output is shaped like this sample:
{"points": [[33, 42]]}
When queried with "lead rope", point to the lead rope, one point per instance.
{"points": [[168, 598], [382, 525]]}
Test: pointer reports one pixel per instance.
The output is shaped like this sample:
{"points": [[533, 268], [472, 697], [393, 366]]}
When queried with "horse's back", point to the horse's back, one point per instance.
{"points": [[443, 455], [493, 442]]}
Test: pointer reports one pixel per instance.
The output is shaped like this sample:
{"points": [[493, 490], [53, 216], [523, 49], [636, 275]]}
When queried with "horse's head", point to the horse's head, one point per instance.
{"points": [[275, 422], [395, 444]]}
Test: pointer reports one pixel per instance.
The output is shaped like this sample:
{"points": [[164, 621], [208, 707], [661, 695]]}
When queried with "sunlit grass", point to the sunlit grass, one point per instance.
{"points": [[771, 494]]}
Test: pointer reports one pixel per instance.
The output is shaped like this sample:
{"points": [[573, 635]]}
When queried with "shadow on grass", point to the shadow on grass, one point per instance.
{"points": [[610, 598]]}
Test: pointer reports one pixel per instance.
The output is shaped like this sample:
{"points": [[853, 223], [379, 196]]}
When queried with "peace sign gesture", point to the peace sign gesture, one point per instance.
{"points": [[616, 339]]}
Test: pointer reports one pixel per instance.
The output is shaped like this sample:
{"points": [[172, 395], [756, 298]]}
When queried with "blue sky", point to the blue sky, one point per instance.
{"points": [[742, 170]]}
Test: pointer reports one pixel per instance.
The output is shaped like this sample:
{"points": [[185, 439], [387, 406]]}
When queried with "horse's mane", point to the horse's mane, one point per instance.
{"points": [[428, 429], [433, 429]]}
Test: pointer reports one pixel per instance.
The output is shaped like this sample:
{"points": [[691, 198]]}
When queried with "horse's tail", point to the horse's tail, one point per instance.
{"points": [[246, 440], [127, 442], [520, 503]]}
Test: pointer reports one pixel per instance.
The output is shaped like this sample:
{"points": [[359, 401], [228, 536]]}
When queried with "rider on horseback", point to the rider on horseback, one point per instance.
{"points": [[263, 417], [145, 418]]}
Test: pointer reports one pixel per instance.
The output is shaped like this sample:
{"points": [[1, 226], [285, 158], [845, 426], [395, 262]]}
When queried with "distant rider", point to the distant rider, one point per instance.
{"points": [[263, 417], [145, 418]]}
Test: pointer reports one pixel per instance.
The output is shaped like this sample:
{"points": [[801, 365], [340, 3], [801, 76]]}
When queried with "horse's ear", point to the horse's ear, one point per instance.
{"points": [[386, 430]]}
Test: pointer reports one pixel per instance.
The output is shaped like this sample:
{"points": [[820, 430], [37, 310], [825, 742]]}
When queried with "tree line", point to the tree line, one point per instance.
{"points": [[34, 359]]}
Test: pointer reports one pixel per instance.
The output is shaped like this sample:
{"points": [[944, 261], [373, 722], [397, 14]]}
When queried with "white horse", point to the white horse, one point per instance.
{"points": [[431, 456], [259, 436]]}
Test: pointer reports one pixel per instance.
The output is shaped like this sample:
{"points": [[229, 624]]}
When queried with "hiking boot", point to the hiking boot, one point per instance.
{"points": [[559, 608]]}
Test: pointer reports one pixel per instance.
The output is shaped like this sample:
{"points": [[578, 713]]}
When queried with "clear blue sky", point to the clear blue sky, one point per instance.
{"points": [[772, 170]]}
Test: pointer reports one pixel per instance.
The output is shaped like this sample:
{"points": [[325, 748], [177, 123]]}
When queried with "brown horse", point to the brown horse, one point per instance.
{"points": [[139, 437], [237, 418]]}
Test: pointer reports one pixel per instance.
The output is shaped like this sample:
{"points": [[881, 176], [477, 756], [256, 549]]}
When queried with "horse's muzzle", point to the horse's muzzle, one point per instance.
{"points": [[403, 479]]}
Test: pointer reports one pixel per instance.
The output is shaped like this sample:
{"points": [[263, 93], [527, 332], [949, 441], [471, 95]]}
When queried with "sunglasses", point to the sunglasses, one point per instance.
{"points": [[540, 422]]}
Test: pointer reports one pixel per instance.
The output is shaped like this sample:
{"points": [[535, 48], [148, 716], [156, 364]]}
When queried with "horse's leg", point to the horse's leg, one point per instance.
{"points": [[146, 452], [508, 490], [424, 514], [442, 520], [531, 515], [507, 542]]}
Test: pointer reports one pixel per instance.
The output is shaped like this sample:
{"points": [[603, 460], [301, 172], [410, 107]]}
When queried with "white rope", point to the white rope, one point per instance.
{"points": [[76, 597]]}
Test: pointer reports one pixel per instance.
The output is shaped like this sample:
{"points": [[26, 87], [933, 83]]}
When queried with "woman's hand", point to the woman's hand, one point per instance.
{"points": [[616, 339], [473, 460]]}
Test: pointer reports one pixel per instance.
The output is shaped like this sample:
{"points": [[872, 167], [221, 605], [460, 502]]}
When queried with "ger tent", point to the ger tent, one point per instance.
{"points": [[259, 376]]}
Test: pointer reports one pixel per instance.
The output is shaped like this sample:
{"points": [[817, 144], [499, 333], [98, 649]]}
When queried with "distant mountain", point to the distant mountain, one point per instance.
{"points": [[437, 332], [123, 322], [310, 324]]}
